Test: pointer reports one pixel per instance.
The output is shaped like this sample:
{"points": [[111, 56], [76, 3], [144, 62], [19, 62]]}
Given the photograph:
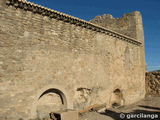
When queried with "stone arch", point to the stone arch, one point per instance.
{"points": [[117, 99], [51, 100], [56, 91], [64, 95]]}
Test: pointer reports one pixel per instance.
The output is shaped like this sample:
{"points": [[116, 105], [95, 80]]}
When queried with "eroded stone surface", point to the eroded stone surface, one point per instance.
{"points": [[38, 53]]}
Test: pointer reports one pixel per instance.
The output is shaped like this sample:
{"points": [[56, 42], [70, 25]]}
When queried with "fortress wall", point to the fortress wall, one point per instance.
{"points": [[129, 24], [38, 53], [125, 25]]}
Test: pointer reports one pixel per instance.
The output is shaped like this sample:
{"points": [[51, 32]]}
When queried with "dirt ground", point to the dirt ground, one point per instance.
{"points": [[146, 109]]}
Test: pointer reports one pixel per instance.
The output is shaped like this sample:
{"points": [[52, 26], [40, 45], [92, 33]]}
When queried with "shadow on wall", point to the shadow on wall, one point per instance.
{"points": [[117, 99], [49, 101], [136, 114], [56, 91]]}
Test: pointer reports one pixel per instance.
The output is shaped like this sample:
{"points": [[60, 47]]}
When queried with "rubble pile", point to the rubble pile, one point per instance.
{"points": [[153, 83]]}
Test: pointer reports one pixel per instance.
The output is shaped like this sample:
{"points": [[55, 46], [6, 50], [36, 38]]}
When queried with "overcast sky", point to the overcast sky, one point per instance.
{"points": [[88, 9]]}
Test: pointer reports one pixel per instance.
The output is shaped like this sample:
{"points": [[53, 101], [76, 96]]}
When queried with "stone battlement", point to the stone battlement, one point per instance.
{"points": [[28, 6]]}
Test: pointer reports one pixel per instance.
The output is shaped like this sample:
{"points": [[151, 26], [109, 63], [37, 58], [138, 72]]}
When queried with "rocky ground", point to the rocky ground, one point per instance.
{"points": [[146, 109]]}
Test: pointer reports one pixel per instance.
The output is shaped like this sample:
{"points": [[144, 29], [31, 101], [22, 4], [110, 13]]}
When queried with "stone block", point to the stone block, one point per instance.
{"points": [[67, 115]]}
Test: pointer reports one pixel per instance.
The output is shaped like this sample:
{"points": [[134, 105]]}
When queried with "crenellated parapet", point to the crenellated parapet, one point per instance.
{"points": [[44, 11]]}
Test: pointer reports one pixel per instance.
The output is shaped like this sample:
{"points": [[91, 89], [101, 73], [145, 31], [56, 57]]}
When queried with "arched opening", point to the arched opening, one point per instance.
{"points": [[117, 98], [51, 100]]}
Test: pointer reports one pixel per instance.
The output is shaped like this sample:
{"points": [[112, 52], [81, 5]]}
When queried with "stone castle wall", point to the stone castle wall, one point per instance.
{"points": [[125, 25], [47, 56]]}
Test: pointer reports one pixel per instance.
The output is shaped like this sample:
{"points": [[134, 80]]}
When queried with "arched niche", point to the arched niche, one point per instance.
{"points": [[51, 100], [117, 99]]}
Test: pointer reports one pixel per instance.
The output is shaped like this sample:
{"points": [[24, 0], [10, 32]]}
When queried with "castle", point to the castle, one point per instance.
{"points": [[51, 61]]}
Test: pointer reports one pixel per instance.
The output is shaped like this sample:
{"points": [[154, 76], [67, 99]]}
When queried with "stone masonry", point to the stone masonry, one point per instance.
{"points": [[51, 61], [153, 83]]}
